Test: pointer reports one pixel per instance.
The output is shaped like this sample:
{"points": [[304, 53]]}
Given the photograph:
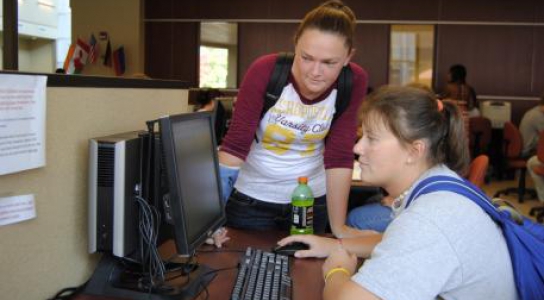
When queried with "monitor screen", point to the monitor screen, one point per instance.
{"points": [[193, 205]]}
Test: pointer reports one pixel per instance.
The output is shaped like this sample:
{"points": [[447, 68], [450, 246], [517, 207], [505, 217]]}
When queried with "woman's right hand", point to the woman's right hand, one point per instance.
{"points": [[319, 246]]}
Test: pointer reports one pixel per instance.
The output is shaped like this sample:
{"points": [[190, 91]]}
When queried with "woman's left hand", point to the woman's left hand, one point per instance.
{"points": [[340, 258]]}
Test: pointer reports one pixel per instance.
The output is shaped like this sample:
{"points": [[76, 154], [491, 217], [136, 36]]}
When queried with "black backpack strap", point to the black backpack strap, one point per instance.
{"points": [[343, 96], [278, 79]]}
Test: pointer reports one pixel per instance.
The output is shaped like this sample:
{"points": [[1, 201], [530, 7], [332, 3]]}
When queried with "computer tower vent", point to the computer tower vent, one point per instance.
{"points": [[106, 165]]}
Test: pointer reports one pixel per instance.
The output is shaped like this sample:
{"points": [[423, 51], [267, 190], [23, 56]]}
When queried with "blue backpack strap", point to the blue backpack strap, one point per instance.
{"points": [[525, 240], [459, 186]]}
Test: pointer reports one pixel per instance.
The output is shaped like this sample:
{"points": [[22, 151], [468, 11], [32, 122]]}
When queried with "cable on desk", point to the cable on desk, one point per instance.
{"points": [[68, 293]]}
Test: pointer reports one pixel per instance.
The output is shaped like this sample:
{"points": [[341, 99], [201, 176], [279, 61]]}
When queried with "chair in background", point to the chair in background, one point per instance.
{"points": [[538, 211], [478, 170], [512, 146], [220, 119], [479, 135]]}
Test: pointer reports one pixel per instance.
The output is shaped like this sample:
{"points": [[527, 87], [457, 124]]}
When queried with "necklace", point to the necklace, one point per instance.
{"points": [[398, 201]]}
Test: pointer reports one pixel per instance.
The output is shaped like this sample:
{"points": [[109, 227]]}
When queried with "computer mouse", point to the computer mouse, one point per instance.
{"points": [[290, 249]]}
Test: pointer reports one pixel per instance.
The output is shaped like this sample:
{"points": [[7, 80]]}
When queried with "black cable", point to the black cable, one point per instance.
{"points": [[149, 218], [68, 293]]}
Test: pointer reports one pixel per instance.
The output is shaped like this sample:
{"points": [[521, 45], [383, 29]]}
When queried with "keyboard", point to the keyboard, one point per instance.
{"points": [[262, 275]]}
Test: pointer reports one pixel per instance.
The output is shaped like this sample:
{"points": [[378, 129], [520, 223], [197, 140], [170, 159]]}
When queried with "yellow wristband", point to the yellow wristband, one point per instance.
{"points": [[336, 270]]}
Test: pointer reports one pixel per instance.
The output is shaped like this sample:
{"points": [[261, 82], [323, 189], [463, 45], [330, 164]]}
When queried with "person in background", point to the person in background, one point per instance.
{"points": [[532, 123], [459, 91], [434, 247], [530, 127], [296, 137], [206, 100]]}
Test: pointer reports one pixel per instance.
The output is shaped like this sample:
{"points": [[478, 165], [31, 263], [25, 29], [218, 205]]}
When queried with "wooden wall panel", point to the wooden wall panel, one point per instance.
{"points": [[372, 51], [158, 9], [234, 9], [538, 65], [291, 10], [539, 12], [395, 9], [486, 10], [256, 39], [172, 51], [498, 58]]}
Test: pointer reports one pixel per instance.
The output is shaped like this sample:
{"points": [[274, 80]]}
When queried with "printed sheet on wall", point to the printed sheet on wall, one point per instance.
{"points": [[22, 122]]}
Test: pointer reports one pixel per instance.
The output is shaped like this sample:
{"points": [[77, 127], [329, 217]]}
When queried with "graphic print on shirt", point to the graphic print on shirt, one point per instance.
{"points": [[292, 126]]}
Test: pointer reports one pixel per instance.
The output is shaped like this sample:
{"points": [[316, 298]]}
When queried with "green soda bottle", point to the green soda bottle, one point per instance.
{"points": [[302, 202]]}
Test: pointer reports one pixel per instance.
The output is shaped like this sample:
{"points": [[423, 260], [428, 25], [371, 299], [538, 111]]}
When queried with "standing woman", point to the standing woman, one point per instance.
{"points": [[296, 137], [442, 245]]}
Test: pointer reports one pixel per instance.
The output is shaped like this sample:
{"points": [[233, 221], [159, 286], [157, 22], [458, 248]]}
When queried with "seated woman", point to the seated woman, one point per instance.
{"points": [[442, 245]]}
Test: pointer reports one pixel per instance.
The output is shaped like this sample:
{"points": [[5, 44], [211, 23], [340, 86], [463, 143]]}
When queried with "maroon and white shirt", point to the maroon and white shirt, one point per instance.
{"points": [[294, 138]]}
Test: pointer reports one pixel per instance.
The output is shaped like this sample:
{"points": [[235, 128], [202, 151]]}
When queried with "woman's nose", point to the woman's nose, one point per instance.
{"points": [[358, 148]]}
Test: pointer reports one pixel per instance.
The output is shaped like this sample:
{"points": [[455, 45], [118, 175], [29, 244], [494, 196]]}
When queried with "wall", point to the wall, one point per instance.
{"points": [[36, 55], [122, 20], [43, 255], [500, 42]]}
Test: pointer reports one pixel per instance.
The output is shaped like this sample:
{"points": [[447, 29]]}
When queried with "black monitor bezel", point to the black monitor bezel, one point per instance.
{"points": [[184, 247]]}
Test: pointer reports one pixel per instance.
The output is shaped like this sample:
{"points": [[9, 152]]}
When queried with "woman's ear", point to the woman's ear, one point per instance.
{"points": [[417, 151], [350, 56]]}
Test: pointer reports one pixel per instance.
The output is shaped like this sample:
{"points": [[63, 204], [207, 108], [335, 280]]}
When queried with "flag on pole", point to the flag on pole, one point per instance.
{"points": [[95, 49], [68, 59], [76, 58], [119, 61], [81, 54], [107, 55]]}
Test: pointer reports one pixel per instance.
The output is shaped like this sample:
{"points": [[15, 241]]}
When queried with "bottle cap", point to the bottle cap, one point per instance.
{"points": [[303, 179]]}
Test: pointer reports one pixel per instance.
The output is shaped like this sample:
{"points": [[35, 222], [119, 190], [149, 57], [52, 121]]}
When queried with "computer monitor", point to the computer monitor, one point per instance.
{"points": [[187, 207], [193, 204]]}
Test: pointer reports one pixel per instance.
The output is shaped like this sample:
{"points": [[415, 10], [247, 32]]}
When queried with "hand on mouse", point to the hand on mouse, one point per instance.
{"points": [[218, 238], [319, 246]]}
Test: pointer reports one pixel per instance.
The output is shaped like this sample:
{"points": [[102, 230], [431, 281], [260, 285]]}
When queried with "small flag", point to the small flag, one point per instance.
{"points": [[76, 58], [68, 59], [107, 55], [119, 61], [81, 54], [95, 49]]}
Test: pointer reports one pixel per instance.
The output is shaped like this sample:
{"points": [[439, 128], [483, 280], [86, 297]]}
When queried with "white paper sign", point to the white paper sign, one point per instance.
{"points": [[16, 209], [22, 122]]}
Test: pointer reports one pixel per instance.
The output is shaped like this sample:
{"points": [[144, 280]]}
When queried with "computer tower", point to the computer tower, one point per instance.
{"points": [[115, 179]]}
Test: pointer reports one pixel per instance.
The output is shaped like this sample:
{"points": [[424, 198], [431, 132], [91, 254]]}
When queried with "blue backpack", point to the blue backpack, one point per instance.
{"points": [[525, 238]]}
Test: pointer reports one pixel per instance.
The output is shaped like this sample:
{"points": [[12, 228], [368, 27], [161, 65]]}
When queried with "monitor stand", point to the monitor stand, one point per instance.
{"points": [[110, 279]]}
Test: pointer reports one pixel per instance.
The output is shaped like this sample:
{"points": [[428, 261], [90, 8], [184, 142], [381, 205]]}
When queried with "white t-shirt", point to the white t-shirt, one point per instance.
{"points": [[441, 245], [291, 143]]}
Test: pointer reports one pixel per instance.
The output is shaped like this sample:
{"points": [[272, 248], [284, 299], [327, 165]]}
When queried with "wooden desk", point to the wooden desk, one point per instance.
{"points": [[306, 273]]}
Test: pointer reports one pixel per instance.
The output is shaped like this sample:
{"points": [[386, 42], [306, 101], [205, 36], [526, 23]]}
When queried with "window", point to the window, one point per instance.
{"points": [[218, 53], [411, 55], [44, 34], [213, 67]]}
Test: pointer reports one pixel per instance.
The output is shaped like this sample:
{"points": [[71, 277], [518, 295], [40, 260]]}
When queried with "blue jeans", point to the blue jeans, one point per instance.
{"points": [[248, 213], [373, 216]]}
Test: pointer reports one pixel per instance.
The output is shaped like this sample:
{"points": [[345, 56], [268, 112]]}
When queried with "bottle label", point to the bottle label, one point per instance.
{"points": [[303, 216]]}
